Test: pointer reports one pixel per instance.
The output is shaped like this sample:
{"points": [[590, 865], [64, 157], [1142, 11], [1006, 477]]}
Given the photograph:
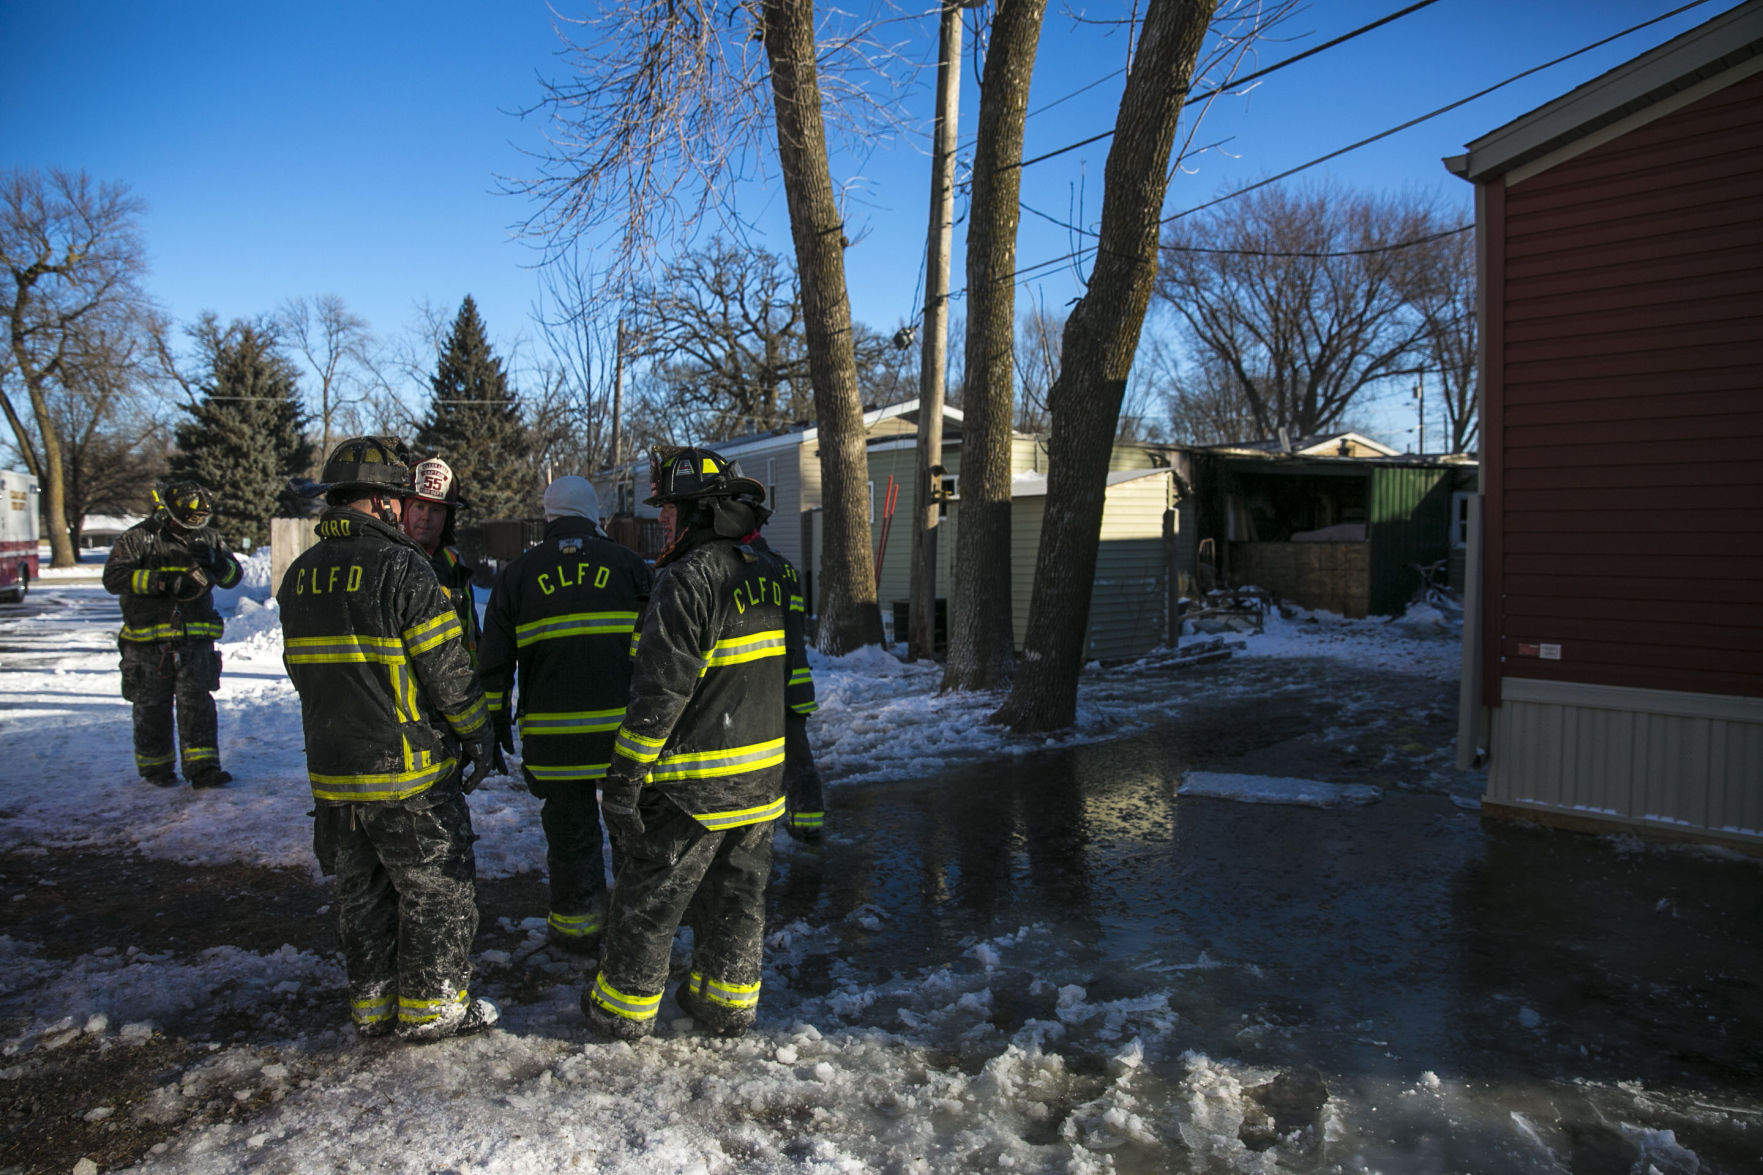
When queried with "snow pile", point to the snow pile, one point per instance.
{"points": [[1427, 645], [253, 583], [1265, 789]]}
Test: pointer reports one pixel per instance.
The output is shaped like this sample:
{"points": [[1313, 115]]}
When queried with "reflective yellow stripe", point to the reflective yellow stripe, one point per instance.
{"points": [[433, 633], [371, 1010], [804, 707], [740, 649], [171, 632], [141, 582], [145, 761], [711, 764], [796, 604], [230, 575], [729, 995], [399, 785], [575, 624], [330, 650], [631, 1007], [803, 676], [567, 772], [196, 754], [717, 821], [475, 715], [635, 746], [427, 1011], [577, 722], [497, 700], [575, 925]]}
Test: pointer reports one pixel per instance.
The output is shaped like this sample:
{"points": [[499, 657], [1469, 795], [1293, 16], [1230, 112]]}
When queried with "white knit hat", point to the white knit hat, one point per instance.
{"points": [[572, 496]]}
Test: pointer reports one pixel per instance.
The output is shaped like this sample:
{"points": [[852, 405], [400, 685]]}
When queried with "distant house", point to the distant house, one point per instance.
{"points": [[1129, 608], [102, 530], [1334, 444], [1614, 643]]}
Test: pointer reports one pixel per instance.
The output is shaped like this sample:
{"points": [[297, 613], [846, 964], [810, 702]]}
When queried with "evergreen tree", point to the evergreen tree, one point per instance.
{"points": [[475, 424], [246, 436]]}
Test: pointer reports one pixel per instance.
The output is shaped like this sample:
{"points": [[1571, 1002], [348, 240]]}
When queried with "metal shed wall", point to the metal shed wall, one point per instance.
{"points": [[1409, 522]]}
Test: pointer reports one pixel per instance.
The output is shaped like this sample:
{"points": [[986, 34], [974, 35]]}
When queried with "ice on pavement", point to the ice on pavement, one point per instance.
{"points": [[909, 1073], [1267, 789]]}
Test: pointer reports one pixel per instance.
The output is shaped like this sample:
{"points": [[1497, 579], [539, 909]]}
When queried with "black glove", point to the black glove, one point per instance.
{"points": [[189, 585], [504, 732], [498, 765], [477, 749], [207, 556], [618, 805]]}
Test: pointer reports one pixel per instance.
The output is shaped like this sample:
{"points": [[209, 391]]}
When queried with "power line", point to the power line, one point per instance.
{"points": [[1024, 272], [1233, 83]]}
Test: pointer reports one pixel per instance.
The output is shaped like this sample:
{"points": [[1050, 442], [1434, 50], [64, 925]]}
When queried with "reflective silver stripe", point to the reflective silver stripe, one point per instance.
{"points": [[710, 764], [426, 1011], [154, 760], [729, 995], [740, 649], [470, 720], [638, 747], [796, 604], [323, 650], [807, 819], [804, 707], [718, 821], [398, 785], [432, 633], [575, 925], [192, 754], [579, 722], [565, 773], [575, 624], [371, 1010], [497, 699], [631, 1007]]}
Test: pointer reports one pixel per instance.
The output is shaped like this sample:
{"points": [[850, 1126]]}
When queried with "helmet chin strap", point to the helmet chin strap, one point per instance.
{"points": [[383, 510]]}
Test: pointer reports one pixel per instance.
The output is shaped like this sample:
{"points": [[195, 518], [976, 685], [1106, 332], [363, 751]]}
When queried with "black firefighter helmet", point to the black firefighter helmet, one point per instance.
{"points": [[685, 475], [368, 465], [187, 503]]}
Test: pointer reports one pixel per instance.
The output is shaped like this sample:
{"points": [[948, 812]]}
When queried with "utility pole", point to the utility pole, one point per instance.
{"points": [[1420, 395], [933, 370], [617, 394]]}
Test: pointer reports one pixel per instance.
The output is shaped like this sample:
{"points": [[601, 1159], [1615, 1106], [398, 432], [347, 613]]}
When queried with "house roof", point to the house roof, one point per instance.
{"points": [[1320, 445], [1708, 57], [1034, 485], [805, 432]]}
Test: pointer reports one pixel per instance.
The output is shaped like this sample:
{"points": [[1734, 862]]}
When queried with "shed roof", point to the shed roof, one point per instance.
{"points": [[1731, 43]]}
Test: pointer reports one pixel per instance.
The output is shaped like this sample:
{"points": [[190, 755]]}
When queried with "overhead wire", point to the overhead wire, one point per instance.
{"points": [[1020, 275]]}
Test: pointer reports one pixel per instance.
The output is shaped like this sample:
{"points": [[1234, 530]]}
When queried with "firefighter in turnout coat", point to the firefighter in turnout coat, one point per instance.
{"points": [[697, 770], [559, 627], [804, 794], [429, 509], [165, 569], [390, 707]]}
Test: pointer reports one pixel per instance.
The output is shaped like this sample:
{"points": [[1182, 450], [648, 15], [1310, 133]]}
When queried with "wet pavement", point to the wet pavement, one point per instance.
{"points": [[1391, 987]]}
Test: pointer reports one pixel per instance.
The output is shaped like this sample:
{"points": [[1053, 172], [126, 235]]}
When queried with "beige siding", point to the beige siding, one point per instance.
{"points": [[1654, 759]]}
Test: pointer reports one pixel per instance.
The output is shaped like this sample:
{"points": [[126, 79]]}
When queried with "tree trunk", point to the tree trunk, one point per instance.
{"points": [[51, 478], [849, 616], [1100, 339], [982, 644]]}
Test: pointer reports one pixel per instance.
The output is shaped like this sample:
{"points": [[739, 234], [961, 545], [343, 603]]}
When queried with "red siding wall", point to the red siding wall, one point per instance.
{"points": [[1625, 390]]}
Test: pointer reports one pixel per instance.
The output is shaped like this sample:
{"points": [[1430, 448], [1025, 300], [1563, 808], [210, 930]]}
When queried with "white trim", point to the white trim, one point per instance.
{"points": [[1630, 700], [1678, 58], [1638, 119]]}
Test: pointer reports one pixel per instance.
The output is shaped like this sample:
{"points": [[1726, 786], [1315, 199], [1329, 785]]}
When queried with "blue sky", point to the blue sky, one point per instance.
{"points": [[354, 148]]}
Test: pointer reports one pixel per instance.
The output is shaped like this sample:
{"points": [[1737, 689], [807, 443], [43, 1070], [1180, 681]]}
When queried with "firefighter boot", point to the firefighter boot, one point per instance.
{"points": [[708, 1016], [210, 775], [479, 1015]]}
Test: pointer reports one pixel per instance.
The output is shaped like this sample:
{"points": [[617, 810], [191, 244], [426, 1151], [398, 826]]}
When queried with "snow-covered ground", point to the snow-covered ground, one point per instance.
{"points": [[827, 1082]]}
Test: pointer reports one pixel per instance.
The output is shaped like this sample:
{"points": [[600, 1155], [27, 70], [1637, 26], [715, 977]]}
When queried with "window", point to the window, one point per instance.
{"points": [[951, 491], [1460, 518]]}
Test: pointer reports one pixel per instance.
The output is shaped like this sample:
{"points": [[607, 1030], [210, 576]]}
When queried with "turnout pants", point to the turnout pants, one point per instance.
{"points": [[406, 903], [574, 859], [674, 865], [154, 674]]}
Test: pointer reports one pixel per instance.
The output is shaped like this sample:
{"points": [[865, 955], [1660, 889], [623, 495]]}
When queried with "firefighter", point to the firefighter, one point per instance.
{"points": [[560, 623], [804, 794], [429, 509], [697, 770], [390, 706], [166, 568]]}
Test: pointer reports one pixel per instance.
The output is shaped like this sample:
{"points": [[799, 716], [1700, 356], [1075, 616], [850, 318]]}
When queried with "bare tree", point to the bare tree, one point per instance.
{"points": [[1101, 337], [73, 259], [665, 113], [1037, 364], [340, 350], [585, 350], [982, 643], [1441, 293], [1300, 295]]}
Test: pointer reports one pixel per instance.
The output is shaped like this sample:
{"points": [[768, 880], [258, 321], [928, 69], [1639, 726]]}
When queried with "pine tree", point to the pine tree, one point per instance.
{"points": [[246, 437], [475, 424]]}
